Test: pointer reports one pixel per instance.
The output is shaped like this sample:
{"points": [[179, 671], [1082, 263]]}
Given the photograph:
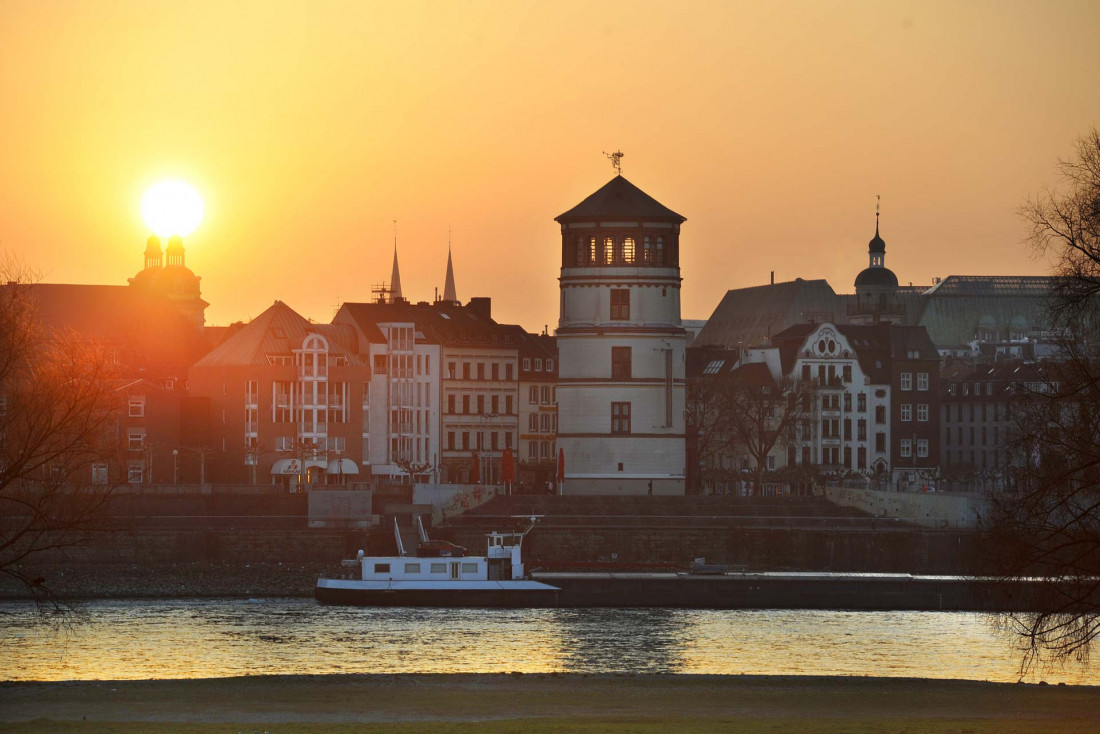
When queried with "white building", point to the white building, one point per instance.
{"points": [[621, 345]]}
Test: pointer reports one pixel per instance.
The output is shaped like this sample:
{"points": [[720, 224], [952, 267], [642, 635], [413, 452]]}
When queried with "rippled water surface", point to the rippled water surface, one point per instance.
{"points": [[218, 638]]}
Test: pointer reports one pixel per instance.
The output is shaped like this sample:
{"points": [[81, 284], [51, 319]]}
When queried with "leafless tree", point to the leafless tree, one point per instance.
{"points": [[56, 404], [1048, 524]]}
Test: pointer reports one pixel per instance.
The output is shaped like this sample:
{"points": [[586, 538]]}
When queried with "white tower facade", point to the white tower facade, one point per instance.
{"points": [[621, 345]]}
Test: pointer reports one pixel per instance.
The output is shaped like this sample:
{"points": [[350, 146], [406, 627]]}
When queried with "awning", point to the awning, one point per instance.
{"points": [[286, 466], [342, 466], [294, 466]]}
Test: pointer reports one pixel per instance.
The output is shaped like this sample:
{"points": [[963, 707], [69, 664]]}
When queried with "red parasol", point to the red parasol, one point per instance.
{"points": [[561, 465]]}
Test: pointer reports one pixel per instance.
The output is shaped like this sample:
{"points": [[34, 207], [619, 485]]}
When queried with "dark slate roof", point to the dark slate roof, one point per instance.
{"points": [[877, 276], [750, 316], [439, 323], [620, 200], [148, 331], [278, 331]]}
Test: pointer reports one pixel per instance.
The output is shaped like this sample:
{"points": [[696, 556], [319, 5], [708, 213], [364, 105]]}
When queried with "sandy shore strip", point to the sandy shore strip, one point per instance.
{"points": [[546, 702]]}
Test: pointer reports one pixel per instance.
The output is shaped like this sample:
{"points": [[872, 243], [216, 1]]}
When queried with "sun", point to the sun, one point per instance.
{"points": [[172, 207]]}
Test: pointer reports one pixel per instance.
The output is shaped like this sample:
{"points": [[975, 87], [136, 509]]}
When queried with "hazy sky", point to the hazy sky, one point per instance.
{"points": [[309, 126]]}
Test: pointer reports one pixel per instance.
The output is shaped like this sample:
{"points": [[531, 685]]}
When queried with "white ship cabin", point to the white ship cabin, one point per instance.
{"points": [[503, 563]]}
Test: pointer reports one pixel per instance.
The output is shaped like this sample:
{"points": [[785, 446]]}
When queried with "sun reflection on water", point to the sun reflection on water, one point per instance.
{"points": [[218, 638]]}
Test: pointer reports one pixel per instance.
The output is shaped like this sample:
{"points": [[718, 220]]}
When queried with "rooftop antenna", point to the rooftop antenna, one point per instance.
{"points": [[616, 159], [878, 200]]}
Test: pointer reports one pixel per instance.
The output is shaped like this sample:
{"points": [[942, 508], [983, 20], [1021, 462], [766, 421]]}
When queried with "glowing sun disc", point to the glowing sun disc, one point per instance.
{"points": [[172, 207]]}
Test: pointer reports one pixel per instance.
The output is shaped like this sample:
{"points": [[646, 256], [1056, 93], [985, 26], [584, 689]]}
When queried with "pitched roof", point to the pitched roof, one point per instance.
{"points": [[278, 331], [149, 331], [439, 323], [620, 199], [750, 316]]}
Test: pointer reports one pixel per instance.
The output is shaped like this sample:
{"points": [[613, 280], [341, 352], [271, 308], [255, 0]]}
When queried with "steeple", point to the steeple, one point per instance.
{"points": [[395, 277], [449, 294], [154, 257]]}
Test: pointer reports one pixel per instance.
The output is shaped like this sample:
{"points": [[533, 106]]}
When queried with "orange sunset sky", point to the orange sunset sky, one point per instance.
{"points": [[309, 126]]}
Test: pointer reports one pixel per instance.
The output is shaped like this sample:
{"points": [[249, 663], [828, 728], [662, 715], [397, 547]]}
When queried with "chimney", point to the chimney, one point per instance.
{"points": [[482, 306]]}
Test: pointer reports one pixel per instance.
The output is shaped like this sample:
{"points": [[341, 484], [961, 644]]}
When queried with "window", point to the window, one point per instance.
{"points": [[450, 440], [544, 423], [628, 250], [381, 568], [906, 412], [544, 394], [771, 463], [494, 404], [495, 371], [508, 372], [608, 250], [412, 568], [465, 440], [466, 404], [906, 380], [533, 423], [847, 373], [620, 304], [99, 472], [251, 394], [336, 443], [507, 439], [532, 451], [861, 402], [660, 251], [620, 418], [861, 430], [533, 395], [581, 254], [620, 363], [507, 405], [450, 403], [922, 412], [481, 370], [465, 370], [906, 447], [922, 380], [439, 568], [451, 372], [526, 364], [135, 439], [880, 414], [481, 405], [538, 365], [135, 473], [136, 406], [922, 448], [469, 568]]}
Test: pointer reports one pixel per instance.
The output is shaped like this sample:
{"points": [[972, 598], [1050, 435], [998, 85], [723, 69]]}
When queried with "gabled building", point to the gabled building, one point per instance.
{"points": [[286, 402]]}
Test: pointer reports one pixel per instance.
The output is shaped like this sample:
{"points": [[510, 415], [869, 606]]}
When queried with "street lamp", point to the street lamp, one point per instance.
{"points": [[175, 466]]}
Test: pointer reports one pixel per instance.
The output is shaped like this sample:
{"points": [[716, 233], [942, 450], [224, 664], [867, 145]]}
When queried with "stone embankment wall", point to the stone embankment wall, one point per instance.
{"points": [[929, 509]]}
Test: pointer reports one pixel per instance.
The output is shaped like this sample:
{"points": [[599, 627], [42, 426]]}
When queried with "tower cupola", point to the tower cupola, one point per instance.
{"points": [[154, 256], [174, 251]]}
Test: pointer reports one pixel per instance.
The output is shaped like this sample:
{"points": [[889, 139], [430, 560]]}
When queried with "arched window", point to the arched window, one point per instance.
{"points": [[628, 250], [591, 250], [581, 254], [608, 250], [647, 251], [660, 251]]}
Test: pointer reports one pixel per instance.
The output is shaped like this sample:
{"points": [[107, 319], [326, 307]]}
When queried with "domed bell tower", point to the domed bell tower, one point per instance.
{"points": [[621, 345]]}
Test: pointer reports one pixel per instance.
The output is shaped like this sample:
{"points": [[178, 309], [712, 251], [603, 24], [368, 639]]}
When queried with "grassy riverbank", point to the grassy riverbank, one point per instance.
{"points": [[546, 703]]}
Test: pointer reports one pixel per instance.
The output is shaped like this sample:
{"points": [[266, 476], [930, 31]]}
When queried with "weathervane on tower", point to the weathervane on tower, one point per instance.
{"points": [[616, 159]]}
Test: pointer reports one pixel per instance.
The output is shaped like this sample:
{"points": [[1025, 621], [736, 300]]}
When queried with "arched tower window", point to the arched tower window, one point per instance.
{"points": [[581, 255], [628, 250], [647, 250], [660, 258], [608, 250]]}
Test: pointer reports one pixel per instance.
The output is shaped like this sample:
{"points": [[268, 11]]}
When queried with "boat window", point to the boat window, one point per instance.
{"points": [[439, 568], [381, 568], [412, 568], [469, 568]]}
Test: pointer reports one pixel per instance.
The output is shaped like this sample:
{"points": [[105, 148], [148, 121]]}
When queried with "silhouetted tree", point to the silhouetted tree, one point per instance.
{"points": [[56, 437], [1047, 524]]}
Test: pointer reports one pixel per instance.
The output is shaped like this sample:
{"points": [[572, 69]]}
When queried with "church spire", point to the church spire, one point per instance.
{"points": [[449, 294], [395, 277]]}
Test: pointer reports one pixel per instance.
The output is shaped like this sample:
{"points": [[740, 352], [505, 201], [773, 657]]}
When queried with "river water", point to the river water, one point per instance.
{"points": [[193, 638]]}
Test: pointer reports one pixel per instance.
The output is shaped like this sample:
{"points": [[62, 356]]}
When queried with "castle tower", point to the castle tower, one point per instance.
{"points": [[621, 345], [154, 257]]}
